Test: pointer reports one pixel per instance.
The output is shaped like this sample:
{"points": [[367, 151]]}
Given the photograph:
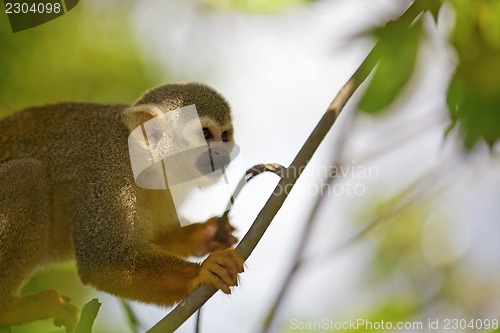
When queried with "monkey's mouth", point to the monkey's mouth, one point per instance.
{"points": [[212, 160], [209, 161]]}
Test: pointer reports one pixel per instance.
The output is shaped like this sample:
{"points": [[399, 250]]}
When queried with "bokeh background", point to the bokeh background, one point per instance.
{"points": [[418, 241]]}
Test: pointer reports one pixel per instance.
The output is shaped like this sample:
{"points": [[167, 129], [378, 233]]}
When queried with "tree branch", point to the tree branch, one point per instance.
{"points": [[200, 296]]}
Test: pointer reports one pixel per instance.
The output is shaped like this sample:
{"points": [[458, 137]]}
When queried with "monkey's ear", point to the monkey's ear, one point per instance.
{"points": [[135, 116]]}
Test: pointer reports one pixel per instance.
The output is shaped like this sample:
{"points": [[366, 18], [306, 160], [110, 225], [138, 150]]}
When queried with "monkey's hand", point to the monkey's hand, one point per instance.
{"points": [[212, 236], [220, 270], [198, 239]]}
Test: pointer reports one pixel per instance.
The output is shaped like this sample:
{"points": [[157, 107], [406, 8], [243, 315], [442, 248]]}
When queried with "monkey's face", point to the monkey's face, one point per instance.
{"points": [[180, 146], [191, 147], [216, 143]]}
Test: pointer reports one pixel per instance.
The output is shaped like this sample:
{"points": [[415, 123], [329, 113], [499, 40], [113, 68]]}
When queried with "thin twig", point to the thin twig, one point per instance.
{"points": [[198, 320], [222, 235], [133, 321]]}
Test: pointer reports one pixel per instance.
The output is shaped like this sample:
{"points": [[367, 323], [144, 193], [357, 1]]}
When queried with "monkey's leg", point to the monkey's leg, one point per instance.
{"points": [[25, 214]]}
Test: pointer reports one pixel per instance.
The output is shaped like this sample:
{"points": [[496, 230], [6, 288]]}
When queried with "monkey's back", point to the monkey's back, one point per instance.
{"points": [[77, 143], [71, 130], [71, 139], [84, 152]]}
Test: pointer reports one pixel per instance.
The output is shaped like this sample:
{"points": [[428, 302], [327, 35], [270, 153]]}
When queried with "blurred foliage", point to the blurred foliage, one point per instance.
{"points": [[85, 55], [397, 49], [394, 310], [473, 95], [255, 6], [405, 285], [396, 244], [432, 287]]}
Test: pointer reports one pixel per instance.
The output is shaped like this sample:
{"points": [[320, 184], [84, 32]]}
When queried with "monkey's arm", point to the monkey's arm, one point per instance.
{"points": [[161, 279], [109, 257], [167, 235]]}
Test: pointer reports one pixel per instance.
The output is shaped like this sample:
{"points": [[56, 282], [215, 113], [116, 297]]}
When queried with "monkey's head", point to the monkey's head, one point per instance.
{"points": [[196, 140]]}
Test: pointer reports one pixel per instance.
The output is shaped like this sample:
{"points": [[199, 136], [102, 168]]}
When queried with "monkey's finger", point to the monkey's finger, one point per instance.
{"points": [[232, 240], [215, 281], [235, 260], [229, 228], [69, 322], [240, 263], [233, 263], [66, 314], [241, 266], [58, 322], [227, 276], [217, 245], [210, 229]]}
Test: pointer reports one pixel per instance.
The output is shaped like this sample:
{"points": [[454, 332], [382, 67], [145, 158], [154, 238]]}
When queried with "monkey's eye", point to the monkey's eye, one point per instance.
{"points": [[225, 136], [207, 133]]}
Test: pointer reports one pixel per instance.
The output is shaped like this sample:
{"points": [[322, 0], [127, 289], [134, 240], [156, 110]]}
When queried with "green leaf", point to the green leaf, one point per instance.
{"points": [[87, 317], [397, 48], [473, 95], [477, 114]]}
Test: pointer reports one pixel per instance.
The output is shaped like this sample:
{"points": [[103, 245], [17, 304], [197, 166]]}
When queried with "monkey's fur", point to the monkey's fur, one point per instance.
{"points": [[67, 192]]}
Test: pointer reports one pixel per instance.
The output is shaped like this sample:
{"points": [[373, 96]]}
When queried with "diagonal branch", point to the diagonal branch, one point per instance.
{"points": [[194, 301]]}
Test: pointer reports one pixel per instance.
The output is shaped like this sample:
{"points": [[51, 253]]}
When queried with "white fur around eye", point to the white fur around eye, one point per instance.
{"points": [[193, 133]]}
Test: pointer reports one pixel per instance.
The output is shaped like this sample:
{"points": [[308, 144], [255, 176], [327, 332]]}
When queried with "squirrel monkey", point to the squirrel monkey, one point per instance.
{"points": [[67, 192]]}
